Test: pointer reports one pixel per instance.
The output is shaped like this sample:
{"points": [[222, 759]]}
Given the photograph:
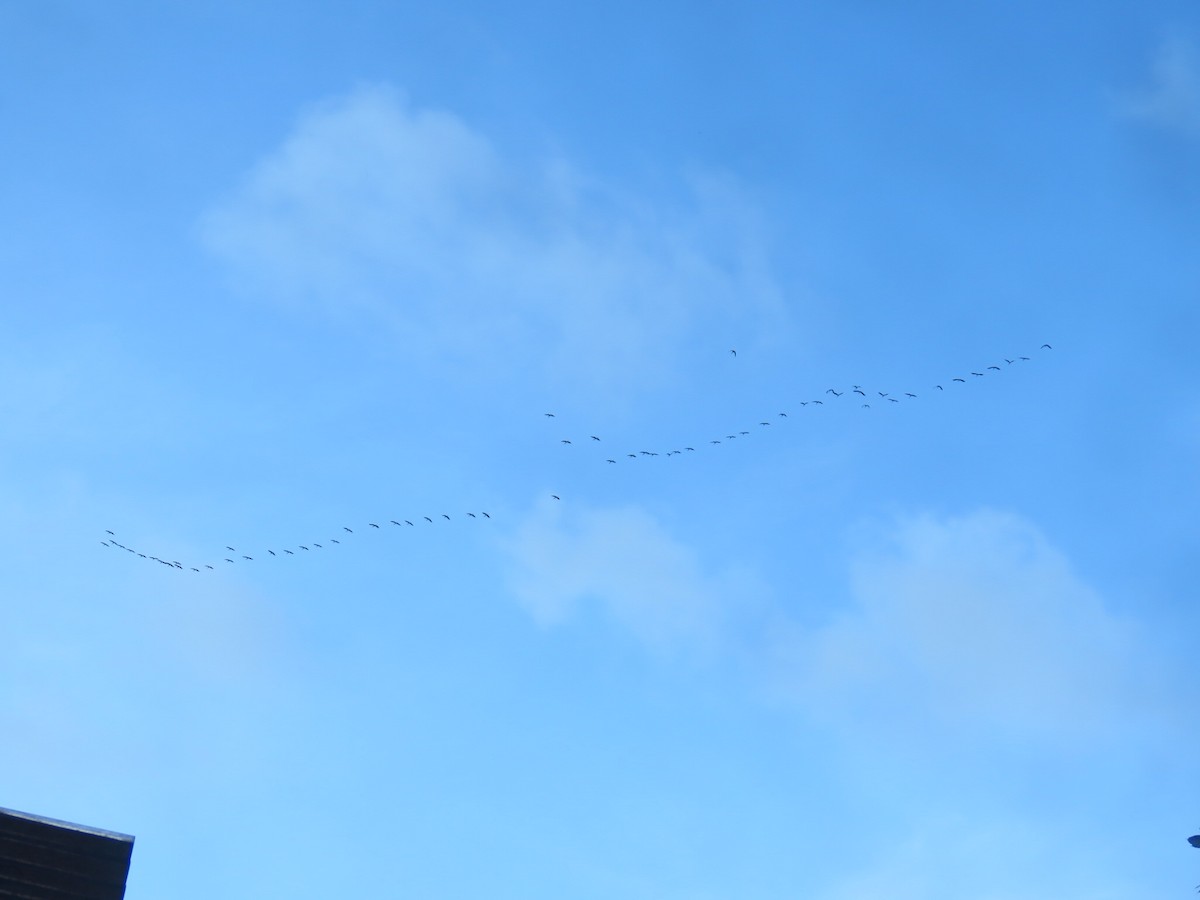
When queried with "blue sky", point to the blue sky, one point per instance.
{"points": [[277, 270]]}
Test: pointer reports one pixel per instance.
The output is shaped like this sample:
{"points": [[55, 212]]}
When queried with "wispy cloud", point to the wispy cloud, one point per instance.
{"points": [[1172, 101], [976, 626], [411, 216], [624, 561]]}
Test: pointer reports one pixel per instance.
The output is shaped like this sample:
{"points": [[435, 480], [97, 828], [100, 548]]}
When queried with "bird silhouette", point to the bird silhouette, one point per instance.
{"points": [[594, 438], [610, 460], [556, 497], [344, 528], [564, 442], [446, 517], [550, 415], [427, 519], [857, 391], [472, 515], [907, 394], [486, 516], [997, 368], [963, 380], [289, 552], [734, 352], [372, 524], [1046, 347], [977, 374], [272, 552]]}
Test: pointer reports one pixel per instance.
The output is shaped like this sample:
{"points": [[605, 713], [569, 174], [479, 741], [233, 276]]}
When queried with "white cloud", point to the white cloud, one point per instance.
{"points": [[409, 215], [622, 559], [1173, 101], [975, 625]]}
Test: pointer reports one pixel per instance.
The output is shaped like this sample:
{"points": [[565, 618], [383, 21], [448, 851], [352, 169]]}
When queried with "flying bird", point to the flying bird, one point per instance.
{"points": [[272, 552], [251, 558], [230, 548], [631, 455], [564, 441], [734, 352], [486, 516], [194, 569], [610, 460], [939, 387], [693, 449], [594, 438], [556, 497], [977, 374], [289, 552], [1046, 347], [334, 541], [372, 524], [344, 528], [472, 515], [427, 519], [907, 394], [406, 522], [963, 380], [551, 415], [785, 414], [714, 442], [446, 517], [227, 559], [764, 423], [882, 394], [318, 546], [394, 522], [302, 547], [207, 566], [997, 368], [109, 532], [818, 402], [857, 391]]}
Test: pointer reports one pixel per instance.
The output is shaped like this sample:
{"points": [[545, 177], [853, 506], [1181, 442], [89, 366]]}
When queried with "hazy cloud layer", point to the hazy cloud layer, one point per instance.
{"points": [[375, 206], [1172, 101]]}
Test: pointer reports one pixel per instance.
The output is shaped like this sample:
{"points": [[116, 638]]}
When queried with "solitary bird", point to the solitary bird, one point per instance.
{"points": [[272, 552], [109, 532], [372, 524], [302, 547], [486, 516], [334, 541], [427, 519], [977, 374], [289, 552], [230, 548], [857, 391], [556, 497], [394, 522], [446, 517], [594, 438], [406, 522], [907, 394], [472, 515], [693, 449], [344, 528], [318, 546], [207, 566], [610, 460], [251, 558], [997, 368], [734, 352], [1046, 347], [227, 559], [939, 387], [963, 380], [564, 441]]}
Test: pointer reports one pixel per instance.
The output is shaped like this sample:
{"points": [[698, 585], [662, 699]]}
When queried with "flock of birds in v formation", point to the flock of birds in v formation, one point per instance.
{"points": [[856, 392]]}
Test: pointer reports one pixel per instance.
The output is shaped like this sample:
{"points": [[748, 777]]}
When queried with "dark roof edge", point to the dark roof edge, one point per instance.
{"points": [[59, 823]]}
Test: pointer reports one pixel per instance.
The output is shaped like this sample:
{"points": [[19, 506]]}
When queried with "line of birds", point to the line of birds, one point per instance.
{"points": [[854, 391], [111, 542], [832, 394]]}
